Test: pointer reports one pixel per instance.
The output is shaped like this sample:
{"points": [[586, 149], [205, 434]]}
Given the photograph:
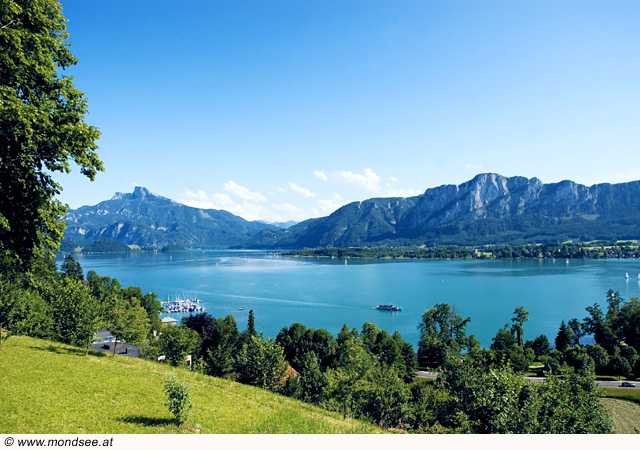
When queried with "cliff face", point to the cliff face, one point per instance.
{"points": [[490, 208]]}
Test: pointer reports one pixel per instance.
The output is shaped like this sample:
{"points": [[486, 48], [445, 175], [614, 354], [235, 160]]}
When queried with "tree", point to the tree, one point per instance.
{"points": [[505, 349], [630, 322], [148, 301], [128, 322], [442, 335], [42, 128], [604, 328], [24, 311], [345, 334], [219, 345], [564, 338], [578, 331], [350, 376], [369, 335], [409, 356], [599, 356], [520, 316], [578, 358], [261, 363], [75, 314], [540, 346], [176, 343], [312, 380], [572, 405], [72, 268]]}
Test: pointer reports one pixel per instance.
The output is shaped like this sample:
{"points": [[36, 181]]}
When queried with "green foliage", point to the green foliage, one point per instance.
{"points": [[496, 400], [104, 245], [261, 363], [72, 268], [75, 313], [312, 380], [24, 311], [43, 128], [630, 322], [128, 321], [478, 251], [175, 343], [148, 301], [579, 358], [442, 335], [178, 400], [564, 338], [520, 316], [572, 406], [505, 348], [599, 356], [298, 340], [251, 324], [540, 346], [345, 382], [221, 344], [61, 307]]}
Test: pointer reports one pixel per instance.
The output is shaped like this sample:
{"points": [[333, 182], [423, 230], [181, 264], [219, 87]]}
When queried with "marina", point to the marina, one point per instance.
{"points": [[182, 305]]}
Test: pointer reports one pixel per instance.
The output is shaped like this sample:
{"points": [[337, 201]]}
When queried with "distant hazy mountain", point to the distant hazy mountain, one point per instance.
{"points": [[288, 224], [488, 209], [144, 218]]}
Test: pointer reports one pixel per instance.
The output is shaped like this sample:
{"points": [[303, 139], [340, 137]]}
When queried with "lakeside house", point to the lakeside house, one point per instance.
{"points": [[105, 342], [169, 321]]}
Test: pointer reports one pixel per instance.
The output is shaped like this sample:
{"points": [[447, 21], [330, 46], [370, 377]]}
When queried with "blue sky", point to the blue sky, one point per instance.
{"points": [[285, 110]]}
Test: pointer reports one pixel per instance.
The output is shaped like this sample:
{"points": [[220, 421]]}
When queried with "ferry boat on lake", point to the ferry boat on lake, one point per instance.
{"points": [[390, 307]]}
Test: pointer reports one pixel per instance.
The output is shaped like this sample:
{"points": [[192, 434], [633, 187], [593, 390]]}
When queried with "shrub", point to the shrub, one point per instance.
{"points": [[178, 400]]}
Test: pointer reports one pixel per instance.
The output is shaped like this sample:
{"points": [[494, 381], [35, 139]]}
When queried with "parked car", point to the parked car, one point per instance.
{"points": [[627, 384]]}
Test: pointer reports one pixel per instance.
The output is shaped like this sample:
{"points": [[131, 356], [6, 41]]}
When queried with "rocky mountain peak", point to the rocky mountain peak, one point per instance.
{"points": [[139, 192]]}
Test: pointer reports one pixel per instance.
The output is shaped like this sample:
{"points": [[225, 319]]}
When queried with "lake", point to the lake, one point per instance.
{"points": [[326, 293]]}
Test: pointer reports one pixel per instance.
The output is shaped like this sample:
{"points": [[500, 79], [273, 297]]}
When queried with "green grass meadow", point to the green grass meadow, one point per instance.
{"points": [[50, 388]]}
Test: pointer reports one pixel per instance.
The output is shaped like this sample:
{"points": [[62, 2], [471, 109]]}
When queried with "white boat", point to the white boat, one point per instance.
{"points": [[390, 307], [626, 275]]}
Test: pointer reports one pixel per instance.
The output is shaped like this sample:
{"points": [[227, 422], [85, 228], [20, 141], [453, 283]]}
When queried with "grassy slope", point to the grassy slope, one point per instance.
{"points": [[625, 415], [52, 388]]}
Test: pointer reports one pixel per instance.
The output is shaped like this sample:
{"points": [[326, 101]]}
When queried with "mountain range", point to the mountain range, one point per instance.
{"points": [[489, 209], [147, 219]]}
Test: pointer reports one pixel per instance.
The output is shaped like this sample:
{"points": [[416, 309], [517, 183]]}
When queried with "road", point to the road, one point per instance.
{"points": [[423, 374]]}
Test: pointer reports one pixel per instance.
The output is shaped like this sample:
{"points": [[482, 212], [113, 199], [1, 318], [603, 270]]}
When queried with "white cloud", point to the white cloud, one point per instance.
{"points": [[300, 190], [289, 212], [201, 200], [327, 206], [321, 175], [243, 193], [367, 180], [474, 167]]}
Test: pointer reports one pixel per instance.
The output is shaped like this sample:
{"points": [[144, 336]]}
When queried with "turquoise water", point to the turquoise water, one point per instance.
{"points": [[325, 293]]}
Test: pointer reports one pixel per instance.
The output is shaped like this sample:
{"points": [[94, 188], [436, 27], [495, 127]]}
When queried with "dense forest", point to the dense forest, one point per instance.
{"points": [[595, 250]]}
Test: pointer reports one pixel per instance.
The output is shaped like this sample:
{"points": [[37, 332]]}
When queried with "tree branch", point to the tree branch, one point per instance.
{"points": [[5, 26]]}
